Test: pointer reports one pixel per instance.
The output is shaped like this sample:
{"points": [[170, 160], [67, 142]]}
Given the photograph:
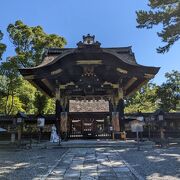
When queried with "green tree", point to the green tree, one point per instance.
{"points": [[26, 94], [30, 43], [2, 87], [50, 109], [169, 92], [144, 100], [2, 80], [32, 100], [40, 102], [11, 108], [167, 13], [9, 82], [2, 46]]}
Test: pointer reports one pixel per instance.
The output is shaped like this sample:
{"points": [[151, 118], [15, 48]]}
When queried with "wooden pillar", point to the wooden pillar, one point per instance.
{"points": [[117, 111], [58, 108], [120, 109], [111, 106], [115, 118], [64, 118]]}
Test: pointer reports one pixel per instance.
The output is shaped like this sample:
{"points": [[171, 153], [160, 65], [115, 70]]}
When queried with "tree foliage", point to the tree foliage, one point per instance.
{"points": [[167, 13], [2, 46], [169, 92], [143, 100], [40, 102], [11, 108], [152, 97], [9, 83], [26, 94], [30, 43]]}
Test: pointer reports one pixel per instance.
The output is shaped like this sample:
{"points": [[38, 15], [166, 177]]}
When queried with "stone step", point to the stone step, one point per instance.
{"points": [[95, 146], [90, 144], [82, 144]]}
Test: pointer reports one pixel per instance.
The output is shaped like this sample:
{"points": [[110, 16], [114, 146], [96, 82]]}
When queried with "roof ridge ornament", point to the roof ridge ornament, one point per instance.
{"points": [[88, 41]]}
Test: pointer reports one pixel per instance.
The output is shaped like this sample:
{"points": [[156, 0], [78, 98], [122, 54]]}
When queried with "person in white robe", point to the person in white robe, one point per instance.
{"points": [[54, 136]]}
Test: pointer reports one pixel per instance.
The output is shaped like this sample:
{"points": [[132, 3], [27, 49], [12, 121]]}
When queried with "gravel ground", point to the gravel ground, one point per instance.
{"points": [[27, 164], [154, 164]]}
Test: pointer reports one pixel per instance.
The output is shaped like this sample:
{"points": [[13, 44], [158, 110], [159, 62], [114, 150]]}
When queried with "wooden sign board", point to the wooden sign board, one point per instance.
{"points": [[40, 122], [137, 126]]}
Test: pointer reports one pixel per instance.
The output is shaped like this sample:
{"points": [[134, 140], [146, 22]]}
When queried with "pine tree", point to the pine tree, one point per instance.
{"points": [[167, 13]]}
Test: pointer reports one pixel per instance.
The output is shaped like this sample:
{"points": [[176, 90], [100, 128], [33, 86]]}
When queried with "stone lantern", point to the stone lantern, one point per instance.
{"points": [[20, 117]]}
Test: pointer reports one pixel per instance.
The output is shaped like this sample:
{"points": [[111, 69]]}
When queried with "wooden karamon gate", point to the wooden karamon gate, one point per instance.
{"points": [[89, 73]]}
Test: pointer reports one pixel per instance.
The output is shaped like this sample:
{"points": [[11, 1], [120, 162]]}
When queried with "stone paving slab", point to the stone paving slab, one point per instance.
{"points": [[91, 164]]}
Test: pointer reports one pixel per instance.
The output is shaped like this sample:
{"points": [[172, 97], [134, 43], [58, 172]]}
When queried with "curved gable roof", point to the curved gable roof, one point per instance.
{"points": [[111, 64]]}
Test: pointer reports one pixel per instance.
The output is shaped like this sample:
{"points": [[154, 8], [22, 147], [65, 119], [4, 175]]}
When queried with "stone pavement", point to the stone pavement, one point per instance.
{"points": [[91, 163]]}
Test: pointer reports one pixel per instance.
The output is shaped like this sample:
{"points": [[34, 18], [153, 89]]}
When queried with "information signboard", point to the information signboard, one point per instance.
{"points": [[137, 126], [40, 122]]}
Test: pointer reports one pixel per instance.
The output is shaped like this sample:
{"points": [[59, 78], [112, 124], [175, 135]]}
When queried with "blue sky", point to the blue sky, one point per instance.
{"points": [[113, 22]]}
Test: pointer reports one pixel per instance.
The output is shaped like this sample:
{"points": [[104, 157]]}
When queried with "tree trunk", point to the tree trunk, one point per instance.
{"points": [[12, 104], [6, 104]]}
